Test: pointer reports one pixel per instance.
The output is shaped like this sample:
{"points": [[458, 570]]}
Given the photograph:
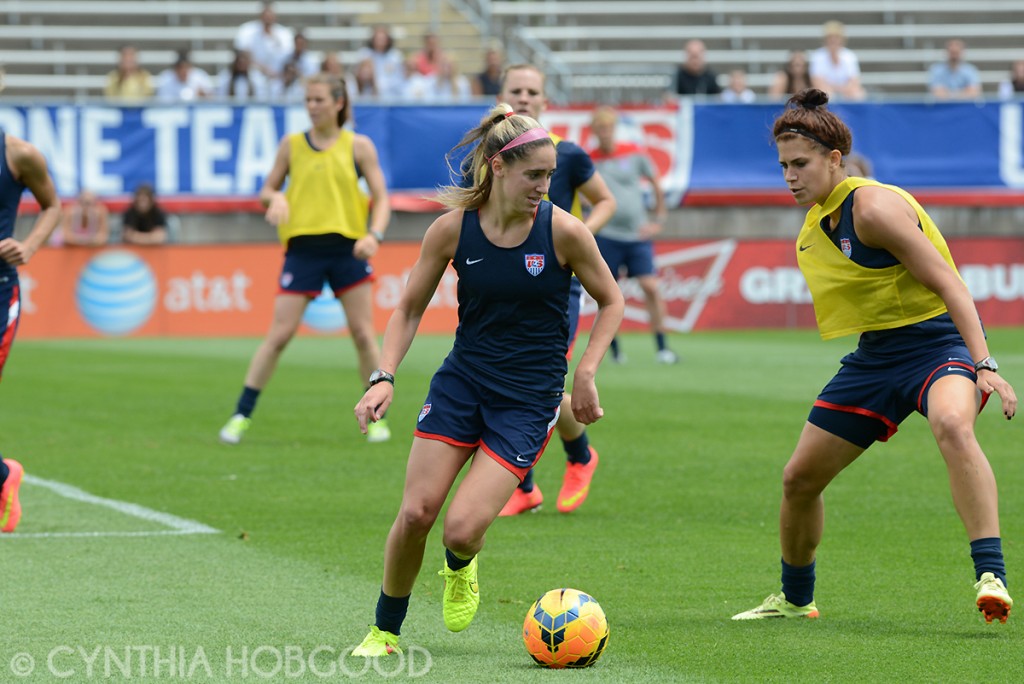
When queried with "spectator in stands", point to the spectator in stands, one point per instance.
{"points": [[416, 87], [290, 87], [834, 67], [144, 222], [1013, 85], [694, 76], [305, 61], [332, 65], [183, 82], [737, 92], [954, 79], [447, 84], [129, 81], [625, 241], [364, 81], [388, 63], [86, 222], [791, 78], [268, 43], [241, 81], [488, 81], [428, 59]]}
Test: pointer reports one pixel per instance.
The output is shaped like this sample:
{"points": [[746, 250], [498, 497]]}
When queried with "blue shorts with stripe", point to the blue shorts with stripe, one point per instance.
{"points": [[636, 256], [461, 412], [874, 392], [10, 308], [312, 260]]}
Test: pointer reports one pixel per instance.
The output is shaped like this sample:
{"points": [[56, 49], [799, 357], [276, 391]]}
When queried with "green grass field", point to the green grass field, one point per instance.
{"points": [[680, 531]]}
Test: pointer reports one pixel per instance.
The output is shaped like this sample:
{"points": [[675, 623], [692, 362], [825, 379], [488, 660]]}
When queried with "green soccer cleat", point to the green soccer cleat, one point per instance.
{"points": [[377, 643], [233, 430], [461, 596], [993, 600], [776, 606], [378, 432]]}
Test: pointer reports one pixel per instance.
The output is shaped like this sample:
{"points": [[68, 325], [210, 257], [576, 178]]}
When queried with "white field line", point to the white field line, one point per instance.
{"points": [[177, 525]]}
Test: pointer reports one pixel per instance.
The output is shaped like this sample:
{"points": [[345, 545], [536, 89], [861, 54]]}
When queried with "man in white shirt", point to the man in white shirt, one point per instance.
{"points": [[183, 82], [268, 43], [834, 68]]}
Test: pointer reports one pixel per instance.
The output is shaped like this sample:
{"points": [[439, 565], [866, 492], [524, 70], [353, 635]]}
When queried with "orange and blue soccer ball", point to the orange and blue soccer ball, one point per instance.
{"points": [[565, 628]]}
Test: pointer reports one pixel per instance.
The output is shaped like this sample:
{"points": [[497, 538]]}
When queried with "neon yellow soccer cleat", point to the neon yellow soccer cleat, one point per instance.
{"points": [[776, 606], [993, 599], [461, 596], [377, 643], [378, 432], [233, 430]]}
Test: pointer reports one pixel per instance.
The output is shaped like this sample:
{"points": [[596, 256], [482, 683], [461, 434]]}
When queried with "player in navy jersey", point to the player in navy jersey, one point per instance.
{"points": [[522, 87], [495, 399], [21, 166]]}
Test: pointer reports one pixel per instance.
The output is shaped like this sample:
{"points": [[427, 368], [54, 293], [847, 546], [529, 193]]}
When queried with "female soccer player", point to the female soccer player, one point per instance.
{"points": [[497, 394], [322, 220], [876, 265], [21, 166]]}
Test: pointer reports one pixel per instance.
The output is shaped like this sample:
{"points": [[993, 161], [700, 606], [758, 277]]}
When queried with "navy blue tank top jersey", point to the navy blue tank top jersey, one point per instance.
{"points": [[10, 197], [573, 168], [938, 330], [513, 324]]}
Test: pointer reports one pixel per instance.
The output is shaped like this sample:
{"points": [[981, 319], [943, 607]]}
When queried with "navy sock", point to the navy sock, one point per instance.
{"points": [[454, 562], [247, 402], [988, 557], [527, 484], [391, 612], [659, 339], [578, 450], [798, 583], [4, 472], [614, 347]]}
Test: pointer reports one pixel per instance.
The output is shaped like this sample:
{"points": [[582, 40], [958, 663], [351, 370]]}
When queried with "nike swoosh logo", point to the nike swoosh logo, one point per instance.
{"points": [[522, 459], [470, 262], [806, 247]]}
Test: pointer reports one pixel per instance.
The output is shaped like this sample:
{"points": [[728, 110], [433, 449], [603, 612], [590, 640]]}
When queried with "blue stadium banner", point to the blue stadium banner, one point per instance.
{"points": [[218, 150]]}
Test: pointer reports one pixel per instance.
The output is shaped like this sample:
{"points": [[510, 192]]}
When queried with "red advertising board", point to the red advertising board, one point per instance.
{"points": [[228, 290]]}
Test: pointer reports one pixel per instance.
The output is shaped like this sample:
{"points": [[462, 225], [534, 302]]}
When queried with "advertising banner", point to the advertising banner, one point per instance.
{"points": [[229, 290]]}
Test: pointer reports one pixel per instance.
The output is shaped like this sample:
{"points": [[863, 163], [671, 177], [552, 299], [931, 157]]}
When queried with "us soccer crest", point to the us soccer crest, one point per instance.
{"points": [[423, 413], [846, 246], [534, 264]]}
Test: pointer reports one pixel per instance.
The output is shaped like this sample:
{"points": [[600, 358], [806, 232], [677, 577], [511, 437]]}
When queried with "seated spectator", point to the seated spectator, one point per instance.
{"points": [[488, 81], [305, 61], [144, 223], [428, 59], [364, 81], [129, 81], [954, 79], [1013, 86], [448, 85], [791, 78], [737, 91], [332, 65], [834, 67], [268, 43], [291, 87], [183, 82], [388, 63], [86, 222], [694, 76], [416, 87], [241, 81]]}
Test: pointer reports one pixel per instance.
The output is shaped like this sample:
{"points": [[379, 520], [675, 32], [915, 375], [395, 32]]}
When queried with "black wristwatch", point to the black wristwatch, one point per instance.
{"points": [[987, 363], [381, 376]]}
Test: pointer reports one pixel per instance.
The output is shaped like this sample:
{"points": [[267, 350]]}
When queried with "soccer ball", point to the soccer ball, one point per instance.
{"points": [[565, 628]]}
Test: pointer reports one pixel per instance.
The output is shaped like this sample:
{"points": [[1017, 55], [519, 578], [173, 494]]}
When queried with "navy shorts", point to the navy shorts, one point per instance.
{"points": [[873, 393], [312, 260], [636, 256], [10, 308], [460, 412]]}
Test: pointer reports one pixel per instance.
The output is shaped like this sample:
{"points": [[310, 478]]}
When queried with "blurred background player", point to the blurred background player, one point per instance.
{"points": [[23, 167], [322, 220], [876, 264], [495, 399], [625, 241], [522, 87]]}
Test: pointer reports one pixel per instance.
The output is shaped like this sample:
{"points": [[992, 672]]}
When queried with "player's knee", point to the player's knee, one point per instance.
{"points": [[416, 518], [952, 429], [798, 483], [462, 536]]}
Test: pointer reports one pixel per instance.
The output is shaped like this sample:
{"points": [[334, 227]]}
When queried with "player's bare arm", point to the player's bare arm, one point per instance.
{"points": [[270, 194], [365, 155], [29, 167], [602, 202]]}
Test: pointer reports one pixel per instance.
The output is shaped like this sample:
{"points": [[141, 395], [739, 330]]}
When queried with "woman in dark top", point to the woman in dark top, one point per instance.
{"points": [[144, 222]]}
